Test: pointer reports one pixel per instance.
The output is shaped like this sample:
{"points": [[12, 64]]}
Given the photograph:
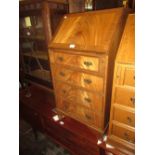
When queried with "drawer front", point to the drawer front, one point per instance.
{"points": [[87, 99], [125, 75], [82, 62], [124, 96], [124, 116], [123, 133], [90, 117], [81, 114], [87, 81], [71, 139], [129, 77]]}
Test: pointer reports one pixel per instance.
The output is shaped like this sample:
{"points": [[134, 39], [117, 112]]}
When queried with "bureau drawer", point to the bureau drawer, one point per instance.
{"points": [[129, 77], [87, 81], [71, 139], [83, 62], [125, 75], [87, 99], [81, 114], [90, 117], [123, 133], [124, 116], [125, 96]]}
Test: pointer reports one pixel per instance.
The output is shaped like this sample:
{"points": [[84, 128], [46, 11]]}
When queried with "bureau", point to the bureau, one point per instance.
{"points": [[82, 55], [122, 115]]}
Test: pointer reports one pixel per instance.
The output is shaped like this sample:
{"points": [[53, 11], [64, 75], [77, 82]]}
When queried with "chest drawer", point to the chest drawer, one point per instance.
{"points": [[129, 77], [81, 79], [81, 114], [90, 117], [124, 116], [125, 96], [123, 133], [71, 139], [82, 62], [87, 99], [125, 75]]}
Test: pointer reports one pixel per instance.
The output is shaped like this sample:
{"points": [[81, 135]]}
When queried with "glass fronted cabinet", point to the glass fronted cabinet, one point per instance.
{"points": [[38, 21]]}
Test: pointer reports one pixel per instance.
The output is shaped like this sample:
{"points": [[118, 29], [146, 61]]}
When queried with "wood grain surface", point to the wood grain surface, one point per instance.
{"points": [[90, 100], [126, 50], [81, 79], [82, 56], [122, 116], [90, 31]]}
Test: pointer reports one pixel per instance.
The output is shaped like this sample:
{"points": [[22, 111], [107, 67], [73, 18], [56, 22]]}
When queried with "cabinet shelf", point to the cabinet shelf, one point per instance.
{"points": [[38, 20], [41, 74], [33, 37], [37, 54]]}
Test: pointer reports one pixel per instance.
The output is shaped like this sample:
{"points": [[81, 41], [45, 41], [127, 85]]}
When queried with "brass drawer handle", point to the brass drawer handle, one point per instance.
{"points": [[88, 81], [129, 119], [132, 99], [88, 63], [61, 59], [62, 73], [87, 99]]}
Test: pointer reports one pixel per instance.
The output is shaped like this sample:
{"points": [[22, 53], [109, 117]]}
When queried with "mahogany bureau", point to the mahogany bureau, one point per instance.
{"points": [[122, 119], [82, 57], [37, 111], [73, 135]]}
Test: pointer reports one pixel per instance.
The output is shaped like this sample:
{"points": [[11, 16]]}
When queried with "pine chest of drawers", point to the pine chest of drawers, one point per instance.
{"points": [[82, 57], [122, 115]]}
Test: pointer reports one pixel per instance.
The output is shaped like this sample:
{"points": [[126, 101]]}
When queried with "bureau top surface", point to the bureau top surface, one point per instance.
{"points": [[126, 51], [88, 31]]}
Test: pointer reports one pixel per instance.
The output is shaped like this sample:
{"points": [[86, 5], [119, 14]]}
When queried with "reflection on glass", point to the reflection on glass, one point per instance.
{"points": [[88, 4], [28, 21], [31, 26]]}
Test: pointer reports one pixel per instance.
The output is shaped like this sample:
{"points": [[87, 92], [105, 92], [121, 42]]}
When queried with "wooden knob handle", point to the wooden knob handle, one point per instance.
{"points": [[132, 99], [88, 116], [60, 58], [129, 119], [62, 73], [64, 91], [126, 136]]}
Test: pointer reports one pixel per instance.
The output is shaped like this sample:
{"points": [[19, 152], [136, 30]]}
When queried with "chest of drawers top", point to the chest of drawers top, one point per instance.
{"points": [[93, 31]]}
